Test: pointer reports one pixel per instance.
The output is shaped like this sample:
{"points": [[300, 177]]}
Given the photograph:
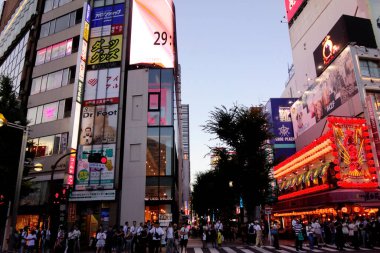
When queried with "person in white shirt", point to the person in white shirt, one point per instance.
{"points": [[219, 226], [169, 238], [259, 234], [101, 237], [184, 237], [134, 236], [31, 241], [157, 232], [76, 234]]}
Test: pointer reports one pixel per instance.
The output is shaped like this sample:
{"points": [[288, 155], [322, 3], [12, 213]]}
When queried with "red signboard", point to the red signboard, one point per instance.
{"points": [[291, 7]]}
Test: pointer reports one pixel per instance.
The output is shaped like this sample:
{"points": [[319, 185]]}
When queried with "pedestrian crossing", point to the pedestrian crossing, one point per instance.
{"points": [[271, 249]]}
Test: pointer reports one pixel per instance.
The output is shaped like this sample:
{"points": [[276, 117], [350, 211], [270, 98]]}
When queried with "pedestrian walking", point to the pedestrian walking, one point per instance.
{"points": [[212, 236], [60, 243], [251, 233], [219, 238], [134, 237], [259, 234], [176, 238], [299, 235], [70, 240], [128, 240], [156, 232], [310, 235], [274, 233], [317, 233], [31, 241], [101, 237], [184, 237], [45, 238], [339, 235], [204, 239], [170, 238], [109, 240]]}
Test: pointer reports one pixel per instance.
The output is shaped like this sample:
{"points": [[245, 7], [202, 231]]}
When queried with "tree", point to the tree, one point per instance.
{"points": [[245, 131], [10, 138]]}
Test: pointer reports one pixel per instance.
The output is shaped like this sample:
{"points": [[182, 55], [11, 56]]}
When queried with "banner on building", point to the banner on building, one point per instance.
{"points": [[105, 49], [333, 88], [102, 87], [107, 20], [95, 175], [99, 124]]}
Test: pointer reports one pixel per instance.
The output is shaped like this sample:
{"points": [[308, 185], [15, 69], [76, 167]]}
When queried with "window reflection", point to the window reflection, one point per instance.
{"points": [[159, 152], [50, 145]]}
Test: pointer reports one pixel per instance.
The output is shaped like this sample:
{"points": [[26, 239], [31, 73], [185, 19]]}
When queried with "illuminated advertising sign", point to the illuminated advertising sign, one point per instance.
{"points": [[102, 86], [105, 49], [282, 127], [347, 29], [334, 87], [95, 175], [292, 7], [99, 124], [152, 37], [107, 20]]}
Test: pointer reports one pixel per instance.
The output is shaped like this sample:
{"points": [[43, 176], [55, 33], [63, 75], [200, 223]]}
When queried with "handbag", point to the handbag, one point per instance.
{"points": [[300, 236], [273, 231]]}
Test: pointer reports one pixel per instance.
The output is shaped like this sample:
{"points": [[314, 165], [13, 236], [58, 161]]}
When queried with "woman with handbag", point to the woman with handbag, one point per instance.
{"points": [[299, 235], [274, 233]]}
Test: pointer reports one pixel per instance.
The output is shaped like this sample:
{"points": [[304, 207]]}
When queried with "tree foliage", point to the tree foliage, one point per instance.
{"points": [[245, 133], [10, 138]]}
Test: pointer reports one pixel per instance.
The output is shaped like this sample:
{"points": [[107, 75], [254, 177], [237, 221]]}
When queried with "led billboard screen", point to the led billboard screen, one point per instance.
{"points": [[152, 37], [347, 29]]}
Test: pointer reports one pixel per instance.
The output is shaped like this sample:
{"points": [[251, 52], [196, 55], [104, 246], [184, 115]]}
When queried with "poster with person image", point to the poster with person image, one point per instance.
{"points": [[99, 124], [334, 87]]}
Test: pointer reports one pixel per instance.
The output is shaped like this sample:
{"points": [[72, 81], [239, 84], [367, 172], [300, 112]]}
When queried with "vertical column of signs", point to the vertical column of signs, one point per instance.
{"points": [[101, 98]]}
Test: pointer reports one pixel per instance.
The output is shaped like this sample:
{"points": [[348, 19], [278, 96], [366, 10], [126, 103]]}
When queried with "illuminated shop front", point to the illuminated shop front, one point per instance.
{"points": [[335, 175]]}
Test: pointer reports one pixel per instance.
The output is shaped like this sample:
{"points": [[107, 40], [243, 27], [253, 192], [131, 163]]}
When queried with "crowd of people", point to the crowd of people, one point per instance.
{"points": [[356, 233]]}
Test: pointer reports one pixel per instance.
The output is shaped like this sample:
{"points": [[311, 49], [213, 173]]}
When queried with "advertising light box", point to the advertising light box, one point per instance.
{"points": [[333, 88], [292, 7], [152, 37], [347, 29], [105, 49], [107, 20]]}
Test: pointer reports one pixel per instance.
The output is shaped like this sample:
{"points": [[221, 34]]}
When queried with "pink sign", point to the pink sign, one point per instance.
{"points": [[292, 7]]}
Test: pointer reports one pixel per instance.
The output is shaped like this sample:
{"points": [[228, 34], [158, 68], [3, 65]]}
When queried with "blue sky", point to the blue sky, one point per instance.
{"points": [[230, 52]]}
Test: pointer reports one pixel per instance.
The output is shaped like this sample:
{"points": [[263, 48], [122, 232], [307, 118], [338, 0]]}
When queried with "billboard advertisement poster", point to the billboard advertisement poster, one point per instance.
{"points": [[99, 124], [292, 7], [105, 49], [152, 37], [95, 175], [102, 86], [333, 88], [107, 20]]}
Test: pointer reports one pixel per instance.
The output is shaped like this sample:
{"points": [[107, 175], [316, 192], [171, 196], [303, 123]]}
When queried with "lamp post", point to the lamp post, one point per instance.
{"points": [[25, 130]]}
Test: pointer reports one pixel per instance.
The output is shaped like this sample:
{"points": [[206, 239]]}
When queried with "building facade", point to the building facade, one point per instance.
{"points": [[97, 80], [335, 171]]}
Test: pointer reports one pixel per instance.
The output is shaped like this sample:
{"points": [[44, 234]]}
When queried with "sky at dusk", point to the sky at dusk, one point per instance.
{"points": [[231, 52]]}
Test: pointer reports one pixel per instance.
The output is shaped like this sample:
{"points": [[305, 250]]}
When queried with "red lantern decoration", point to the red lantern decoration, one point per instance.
{"points": [[365, 134], [336, 161], [337, 168], [369, 155], [335, 154], [368, 148], [337, 175], [370, 162], [372, 169]]}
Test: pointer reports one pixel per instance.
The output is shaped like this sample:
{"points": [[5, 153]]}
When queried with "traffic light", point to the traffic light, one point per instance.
{"points": [[2, 199], [97, 158], [56, 198]]}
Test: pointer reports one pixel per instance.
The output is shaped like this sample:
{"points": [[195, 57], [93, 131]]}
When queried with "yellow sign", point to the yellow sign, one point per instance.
{"points": [[86, 31], [105, 49]]}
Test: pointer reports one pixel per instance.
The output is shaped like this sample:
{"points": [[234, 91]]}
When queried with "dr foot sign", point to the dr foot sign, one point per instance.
{"points": [[152, 38]]}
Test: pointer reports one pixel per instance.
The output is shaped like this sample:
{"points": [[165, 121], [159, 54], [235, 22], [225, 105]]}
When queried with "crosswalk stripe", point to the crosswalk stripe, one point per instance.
{"points": [[260, 249], [212, 250], [315, 250], [364, 249], [198, 250], [332, 250], [229, 250], [288, 247], [376, 247]]}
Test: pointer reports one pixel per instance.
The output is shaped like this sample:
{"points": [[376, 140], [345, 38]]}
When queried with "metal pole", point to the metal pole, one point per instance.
{"points": [[18, 186], [269, 233]]}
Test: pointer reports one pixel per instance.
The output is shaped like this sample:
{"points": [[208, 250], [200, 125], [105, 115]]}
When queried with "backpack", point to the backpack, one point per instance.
{"points": [[251, 229]]}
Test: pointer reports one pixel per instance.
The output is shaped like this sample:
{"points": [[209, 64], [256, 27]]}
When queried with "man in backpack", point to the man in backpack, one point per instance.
{"points": [[251, 233]]}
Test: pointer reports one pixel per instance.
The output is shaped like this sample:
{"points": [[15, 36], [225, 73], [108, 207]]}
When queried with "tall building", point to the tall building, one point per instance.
{"points": [[335, 171], [101, 78]]}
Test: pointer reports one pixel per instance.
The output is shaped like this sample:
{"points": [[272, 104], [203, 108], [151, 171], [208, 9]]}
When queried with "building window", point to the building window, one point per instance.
{"points": [[13, 65], [56, 51], [52, 4], [49, 112], [52, 80], [160, 109], [50, 145], [161, 213], [370, 68], [59, 24], [159, 151]]}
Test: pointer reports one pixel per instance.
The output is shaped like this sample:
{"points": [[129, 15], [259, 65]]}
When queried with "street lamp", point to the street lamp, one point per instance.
{"points": [[25, 130]]}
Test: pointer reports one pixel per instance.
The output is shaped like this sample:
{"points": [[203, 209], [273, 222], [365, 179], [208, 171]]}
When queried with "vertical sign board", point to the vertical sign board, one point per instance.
{"points": [[101, 83], [79, 80], [373, 124], [152, 36]]}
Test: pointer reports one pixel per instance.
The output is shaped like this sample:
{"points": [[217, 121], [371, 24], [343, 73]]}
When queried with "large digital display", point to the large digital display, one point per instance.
{"points": [[152, 37], [292, 7], [347, 29]]}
